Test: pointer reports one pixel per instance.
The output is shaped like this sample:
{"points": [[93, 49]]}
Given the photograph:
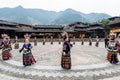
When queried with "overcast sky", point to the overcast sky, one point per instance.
{"points": [[111, 7]]}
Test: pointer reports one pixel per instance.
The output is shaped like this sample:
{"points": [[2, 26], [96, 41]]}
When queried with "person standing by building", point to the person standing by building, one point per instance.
{"points": [[106, 40]]}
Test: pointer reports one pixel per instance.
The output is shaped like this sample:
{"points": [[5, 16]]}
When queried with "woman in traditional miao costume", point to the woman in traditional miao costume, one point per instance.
{"points": [[82, 41], [90, 41], [118, 43], [74, 40], [6, 47], [59, 40], [35, 41], [97, 41], [66, 58], [16, 46], [51, 39], [112, 51], [28, 58], [43, 40]]}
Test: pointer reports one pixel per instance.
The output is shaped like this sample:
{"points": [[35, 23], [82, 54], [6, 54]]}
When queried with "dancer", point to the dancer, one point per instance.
{"points": [[118, 43], [97, 41], [112, 51], [28, 58], [6, 47], [35, 41], [16, 46], [51, 39], [82, 41], [59, 40], [74, 40], [43, 40], [90, 41], [66, 58]]}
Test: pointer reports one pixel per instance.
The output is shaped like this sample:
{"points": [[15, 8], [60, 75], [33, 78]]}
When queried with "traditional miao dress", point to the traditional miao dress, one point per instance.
{"points": [[51, 40], [97, 42], [6, 48], [118, 45], [59, 40], [35, 42], [112, 52], [90, 42], [28, 58], [16, 46], [66, 58], [82, 41], [74, 40], [44, 41]]}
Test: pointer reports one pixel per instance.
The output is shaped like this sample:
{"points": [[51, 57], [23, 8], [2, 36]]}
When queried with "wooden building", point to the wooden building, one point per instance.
{"points": [[77, 29], [14, 29], [114, 24], [95, 29], [49, 30], [86, 29], [8, 27]]}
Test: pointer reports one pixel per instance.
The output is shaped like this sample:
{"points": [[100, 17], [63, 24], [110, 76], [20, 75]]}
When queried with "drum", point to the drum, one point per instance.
{"points": [[90, 43], [59, 42], [0, 46], [27, 59], [74, 43], [109, 56], [43, 43], [6, 55], [96, 44], [82, 43], [35, 43], [51, 42], [16, 46]]}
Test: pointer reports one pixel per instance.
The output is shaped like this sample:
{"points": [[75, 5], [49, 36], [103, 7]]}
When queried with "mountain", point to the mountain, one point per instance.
{"points": [[68, 16], [40, 16]]}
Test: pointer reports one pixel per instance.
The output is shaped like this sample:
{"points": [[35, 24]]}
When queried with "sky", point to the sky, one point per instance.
{"points": [[111, 7]]}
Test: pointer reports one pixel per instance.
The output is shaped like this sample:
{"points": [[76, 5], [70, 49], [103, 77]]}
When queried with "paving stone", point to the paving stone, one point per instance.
{"points": [[88, 62]]}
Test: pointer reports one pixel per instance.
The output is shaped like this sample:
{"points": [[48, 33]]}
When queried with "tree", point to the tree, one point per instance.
{"points": [[105, 26]]}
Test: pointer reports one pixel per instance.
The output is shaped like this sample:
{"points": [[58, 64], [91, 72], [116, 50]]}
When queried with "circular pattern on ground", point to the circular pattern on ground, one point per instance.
{"points": [[80, 55]]}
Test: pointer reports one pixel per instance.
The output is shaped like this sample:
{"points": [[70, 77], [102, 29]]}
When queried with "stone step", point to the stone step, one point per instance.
{"points": [[6, 77], [33, 74], [112, 78], [79, 67]]}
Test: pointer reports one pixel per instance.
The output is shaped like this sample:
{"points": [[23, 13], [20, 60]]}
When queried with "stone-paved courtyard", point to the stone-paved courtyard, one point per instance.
{"points": [[88, 63]]}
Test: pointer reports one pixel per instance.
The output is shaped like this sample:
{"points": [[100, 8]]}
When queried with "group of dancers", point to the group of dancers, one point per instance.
{"points": [[28, 58], [6, 47], [113, 47]]}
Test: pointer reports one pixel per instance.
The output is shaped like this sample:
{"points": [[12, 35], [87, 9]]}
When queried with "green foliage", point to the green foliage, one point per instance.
{"points": [[105, 25]]}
